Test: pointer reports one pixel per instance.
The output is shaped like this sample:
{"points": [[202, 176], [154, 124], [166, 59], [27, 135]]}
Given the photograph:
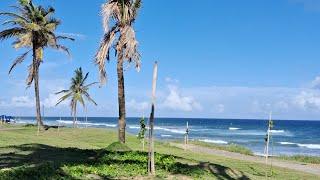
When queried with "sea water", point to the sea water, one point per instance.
{"points": [[288, 137]]}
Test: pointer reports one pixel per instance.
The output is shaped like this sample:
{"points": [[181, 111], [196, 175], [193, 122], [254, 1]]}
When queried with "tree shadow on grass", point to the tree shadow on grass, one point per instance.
{"points": [[38, 161]]}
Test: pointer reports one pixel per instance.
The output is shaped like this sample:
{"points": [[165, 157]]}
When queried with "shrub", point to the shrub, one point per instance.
{"points": [[118, 147]]}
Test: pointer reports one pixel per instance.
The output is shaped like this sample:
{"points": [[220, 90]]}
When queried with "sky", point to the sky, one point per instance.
{"points": [[217, 59]]}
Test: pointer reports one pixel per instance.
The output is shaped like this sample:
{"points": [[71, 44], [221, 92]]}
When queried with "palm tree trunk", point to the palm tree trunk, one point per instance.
{"points": [[75, 116], [121, 101], [36, 65]]}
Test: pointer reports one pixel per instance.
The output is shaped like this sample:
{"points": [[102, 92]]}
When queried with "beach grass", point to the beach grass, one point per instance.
{"points": [[84, 153], [230, 147], [301, 158]]}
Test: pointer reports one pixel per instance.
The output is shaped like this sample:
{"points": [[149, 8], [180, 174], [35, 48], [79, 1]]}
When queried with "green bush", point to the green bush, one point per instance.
{"points": [[117, 146], [130, 164], [42, 171]]}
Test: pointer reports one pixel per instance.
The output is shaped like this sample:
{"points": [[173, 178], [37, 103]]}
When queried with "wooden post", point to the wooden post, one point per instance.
{"points": [[186, 137], [267, 142], [151, 167]]}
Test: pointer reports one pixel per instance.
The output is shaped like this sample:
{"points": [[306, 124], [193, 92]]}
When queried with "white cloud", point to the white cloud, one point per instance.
{"points": [[308, 100], [51, 101], [171, 80], [315, 84], [137, 106], [220, 108], [176, 101], [22, 101]]}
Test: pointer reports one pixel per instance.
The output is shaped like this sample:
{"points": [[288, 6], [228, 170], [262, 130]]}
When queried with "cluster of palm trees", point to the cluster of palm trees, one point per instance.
{"points": [[33, 28]]}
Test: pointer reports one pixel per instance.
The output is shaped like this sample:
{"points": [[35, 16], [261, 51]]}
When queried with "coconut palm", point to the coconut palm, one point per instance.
{"points": [[77, 92], [33, 28], [118, 19]]}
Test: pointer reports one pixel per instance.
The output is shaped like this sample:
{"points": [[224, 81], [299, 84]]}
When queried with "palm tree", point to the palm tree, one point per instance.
{"points": [[120, 16], [33, 28], [76, 92]]}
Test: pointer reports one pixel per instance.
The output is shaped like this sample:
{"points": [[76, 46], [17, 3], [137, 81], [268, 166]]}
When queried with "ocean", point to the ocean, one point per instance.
{"points": [[288, 137]]}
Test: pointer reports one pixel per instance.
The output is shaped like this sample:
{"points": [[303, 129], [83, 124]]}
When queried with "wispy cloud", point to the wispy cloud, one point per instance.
{"points": [[137, 106]]}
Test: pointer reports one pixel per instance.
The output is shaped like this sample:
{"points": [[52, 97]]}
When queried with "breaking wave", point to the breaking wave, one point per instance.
{"points": [[213, 141]]}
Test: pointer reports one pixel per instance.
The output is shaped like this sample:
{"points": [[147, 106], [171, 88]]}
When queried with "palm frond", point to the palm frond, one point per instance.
{"points": [[88, 85], [14, 15], [8, 33], [85, 78], [127, 46], [65, 37], [135, 7], [63, 48], [31, 74], [109, 10], [103, 52], [49, 11], [19, 60], [63, 98], [89, 98], [80, 99], [62, 91]]}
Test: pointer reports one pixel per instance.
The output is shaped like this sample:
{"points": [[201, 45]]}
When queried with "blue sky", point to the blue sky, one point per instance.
{"points": [[217, 59]]}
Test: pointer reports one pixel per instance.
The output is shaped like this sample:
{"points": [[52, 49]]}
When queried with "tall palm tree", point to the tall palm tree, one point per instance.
{"points": [[119, 15], [33, 28], [78, 89]]}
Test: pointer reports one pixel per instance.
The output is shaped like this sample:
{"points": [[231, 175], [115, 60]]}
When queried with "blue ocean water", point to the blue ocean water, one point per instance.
{"points": [[288, 137]]}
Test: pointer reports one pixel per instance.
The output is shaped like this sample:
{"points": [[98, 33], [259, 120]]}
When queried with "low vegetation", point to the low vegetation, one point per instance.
{"points": [[92, 153], [230, 147], [302, 158]]}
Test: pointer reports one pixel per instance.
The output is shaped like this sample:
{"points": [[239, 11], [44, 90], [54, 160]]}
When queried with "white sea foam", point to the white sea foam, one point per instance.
{"points": [[26, 121], [263, 155], [89, 124], [213, 141], [277, 131], [233, 128], [134, 127], [177, 131], [309, 146], [165, 135], [287, 143], [64, 122]]}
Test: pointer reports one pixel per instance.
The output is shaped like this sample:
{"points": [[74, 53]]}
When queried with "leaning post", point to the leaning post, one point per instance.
{"points": [[151, 167]]}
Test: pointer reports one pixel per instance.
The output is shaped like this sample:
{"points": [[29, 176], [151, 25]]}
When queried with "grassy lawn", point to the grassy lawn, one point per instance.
{"points": [[302, 158], [243, 150], [230, 147], [87, 153]]}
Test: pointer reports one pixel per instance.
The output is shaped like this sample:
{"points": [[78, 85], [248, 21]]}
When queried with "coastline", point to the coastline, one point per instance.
{"points": [[288, 140], [97, 138]]}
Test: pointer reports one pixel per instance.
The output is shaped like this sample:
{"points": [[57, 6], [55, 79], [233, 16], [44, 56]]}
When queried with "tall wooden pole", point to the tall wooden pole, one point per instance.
{"points": [[267, 142], [151, 167], [186, 137]]}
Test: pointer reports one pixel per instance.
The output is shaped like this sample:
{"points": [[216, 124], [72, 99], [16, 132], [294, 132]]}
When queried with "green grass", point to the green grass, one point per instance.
{"points": [[89, 153], [230, 147], [302, 158]]}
